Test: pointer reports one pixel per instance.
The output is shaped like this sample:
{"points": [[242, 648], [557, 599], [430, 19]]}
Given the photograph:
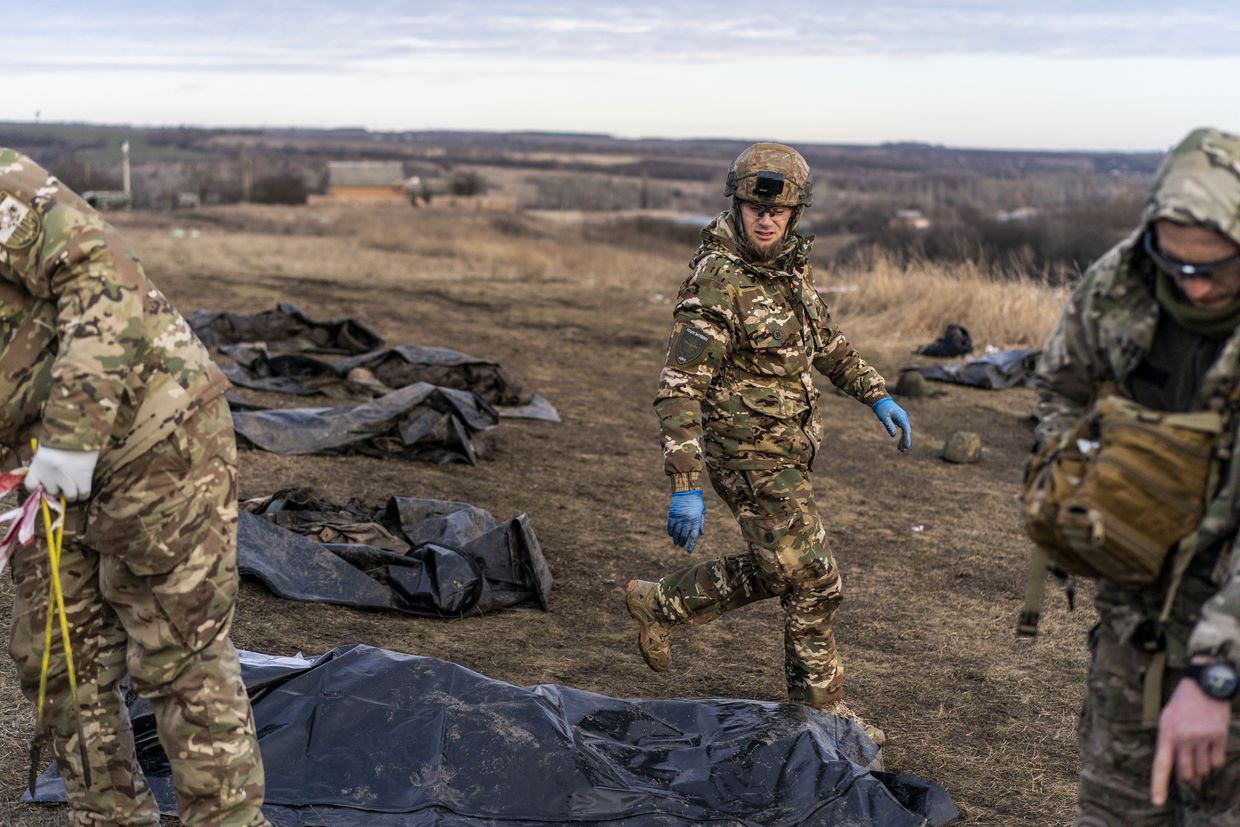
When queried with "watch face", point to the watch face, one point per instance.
{"points": [[1219, 681]]}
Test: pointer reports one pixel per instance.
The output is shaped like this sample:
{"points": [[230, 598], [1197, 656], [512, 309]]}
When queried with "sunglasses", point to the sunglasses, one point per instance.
{"points": [[1182, 269], [762, 209]]}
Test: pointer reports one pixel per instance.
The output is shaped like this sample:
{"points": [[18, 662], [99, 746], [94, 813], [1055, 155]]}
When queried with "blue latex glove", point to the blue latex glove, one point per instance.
{"points": [[686, 518], [893, 416]]}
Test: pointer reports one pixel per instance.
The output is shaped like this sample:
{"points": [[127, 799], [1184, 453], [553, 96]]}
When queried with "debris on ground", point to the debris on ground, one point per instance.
{"points": [[953, 341], [963, 447]]}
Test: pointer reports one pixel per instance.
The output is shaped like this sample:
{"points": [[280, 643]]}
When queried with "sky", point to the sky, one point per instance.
{"points": [[1050, 74]]}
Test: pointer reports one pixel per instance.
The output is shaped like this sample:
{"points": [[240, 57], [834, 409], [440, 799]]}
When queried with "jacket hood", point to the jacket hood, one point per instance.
{"points": [[1199, 183]]}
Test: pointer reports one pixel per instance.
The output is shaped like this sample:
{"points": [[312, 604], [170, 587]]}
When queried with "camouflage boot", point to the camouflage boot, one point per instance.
{"points": [[842, 710], [653, 634]]}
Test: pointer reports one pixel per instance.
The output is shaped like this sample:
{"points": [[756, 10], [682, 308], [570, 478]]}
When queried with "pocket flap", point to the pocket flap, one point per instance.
{"points": [[774, 402], [766, 531]]}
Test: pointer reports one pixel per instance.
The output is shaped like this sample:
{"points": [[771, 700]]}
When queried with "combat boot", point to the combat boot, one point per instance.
{"points": [[654, 636], [843, 710]]}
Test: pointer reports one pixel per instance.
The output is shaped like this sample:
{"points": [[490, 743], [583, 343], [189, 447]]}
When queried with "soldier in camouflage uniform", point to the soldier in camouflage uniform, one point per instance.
{"points": [[1156, 317], [736, 398], [132, 425]]}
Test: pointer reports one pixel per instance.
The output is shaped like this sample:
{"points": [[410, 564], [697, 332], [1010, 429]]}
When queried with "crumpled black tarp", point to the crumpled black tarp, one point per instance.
{"points": [[378, 372], [995, 371], [435, 558], [286, 329], [364, 737], [953, 341], [419, 421]]}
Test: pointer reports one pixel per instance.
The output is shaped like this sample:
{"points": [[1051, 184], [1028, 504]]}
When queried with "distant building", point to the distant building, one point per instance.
{"points": [[107, 199], [909, 220], [365, 180], [1018, 214]]}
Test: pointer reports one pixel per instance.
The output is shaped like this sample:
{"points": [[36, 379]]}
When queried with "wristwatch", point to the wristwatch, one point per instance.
{"points": [[1217, 679]]}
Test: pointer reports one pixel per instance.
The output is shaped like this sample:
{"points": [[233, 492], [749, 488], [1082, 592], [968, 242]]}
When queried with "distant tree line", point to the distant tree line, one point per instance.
{"points": [[1052, 244]]}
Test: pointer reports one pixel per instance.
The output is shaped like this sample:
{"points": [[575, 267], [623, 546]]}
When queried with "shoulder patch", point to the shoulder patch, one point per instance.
{"points": [[689, 346], [19, 222]]}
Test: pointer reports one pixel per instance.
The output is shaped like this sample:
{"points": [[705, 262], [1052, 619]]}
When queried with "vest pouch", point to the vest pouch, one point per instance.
{"points": [[1115, 494]]}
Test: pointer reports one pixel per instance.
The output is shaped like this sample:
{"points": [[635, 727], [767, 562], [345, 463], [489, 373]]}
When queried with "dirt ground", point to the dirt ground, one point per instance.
{"points": [[932, 553]]}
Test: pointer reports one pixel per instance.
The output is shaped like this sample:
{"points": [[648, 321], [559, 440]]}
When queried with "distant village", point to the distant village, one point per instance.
{"points": [[1044, 213]]}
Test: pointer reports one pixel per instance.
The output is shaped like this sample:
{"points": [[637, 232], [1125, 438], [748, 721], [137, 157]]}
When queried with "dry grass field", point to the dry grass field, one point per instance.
{"points": [[932, 554]]}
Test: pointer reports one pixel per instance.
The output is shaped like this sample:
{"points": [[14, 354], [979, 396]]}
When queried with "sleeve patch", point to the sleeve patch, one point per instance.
{"points": [[19, 223], [689, 346]]}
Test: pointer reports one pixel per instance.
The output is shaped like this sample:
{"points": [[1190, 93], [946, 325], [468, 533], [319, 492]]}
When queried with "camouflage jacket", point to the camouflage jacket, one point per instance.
{"points": [[92, 356], [741, 348], [1105, 332]]}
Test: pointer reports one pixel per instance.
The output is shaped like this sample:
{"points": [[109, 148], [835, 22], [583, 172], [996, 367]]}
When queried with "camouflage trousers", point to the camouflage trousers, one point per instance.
{"points": [[787, 557], [150, 580], [1117, 749]]}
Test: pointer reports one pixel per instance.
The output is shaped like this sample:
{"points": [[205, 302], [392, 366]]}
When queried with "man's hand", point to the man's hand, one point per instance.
{"points": [[686, 518], [62, 472], [893, 416], [1192, 736]]}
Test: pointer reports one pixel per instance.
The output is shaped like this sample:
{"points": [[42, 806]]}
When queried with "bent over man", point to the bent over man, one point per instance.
{"points": [[736, 398], [132, 424], [1155, 320]]}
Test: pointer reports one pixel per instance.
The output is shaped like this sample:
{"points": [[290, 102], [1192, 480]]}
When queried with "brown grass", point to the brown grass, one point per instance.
{"points": [[926, 627], [920, 299]]}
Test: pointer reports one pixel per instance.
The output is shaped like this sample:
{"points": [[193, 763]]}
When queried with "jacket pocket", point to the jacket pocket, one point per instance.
{"points": [[775, 402], [768, 323]]}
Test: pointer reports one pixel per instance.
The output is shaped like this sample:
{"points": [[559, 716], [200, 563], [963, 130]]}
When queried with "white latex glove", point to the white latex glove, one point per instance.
{"points": [[62, 472]]}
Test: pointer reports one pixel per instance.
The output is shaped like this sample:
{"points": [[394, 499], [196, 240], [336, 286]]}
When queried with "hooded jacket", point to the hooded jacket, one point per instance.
{"points": [[1105, 332], [743, 341]]}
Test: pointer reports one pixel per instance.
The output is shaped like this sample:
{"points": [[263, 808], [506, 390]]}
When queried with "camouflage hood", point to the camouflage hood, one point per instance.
{"points": [[723, 235], [1199, 183]]}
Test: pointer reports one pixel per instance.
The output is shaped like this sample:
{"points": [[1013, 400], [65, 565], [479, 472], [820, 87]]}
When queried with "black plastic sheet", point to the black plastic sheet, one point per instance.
{"points": [[994, 371], [419, 421], [953, 341], [285, 328], [378, 372], [438, 559], [364, 737]]}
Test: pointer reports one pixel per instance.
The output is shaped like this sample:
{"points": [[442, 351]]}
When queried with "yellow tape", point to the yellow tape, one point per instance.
{"points": [[56, 606]]}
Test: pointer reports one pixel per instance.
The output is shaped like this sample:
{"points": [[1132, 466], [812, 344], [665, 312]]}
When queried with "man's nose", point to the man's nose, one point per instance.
{"points": [[1196, 289]]}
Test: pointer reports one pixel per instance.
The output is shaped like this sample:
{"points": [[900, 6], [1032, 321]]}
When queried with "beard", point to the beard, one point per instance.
{"points": [[766, 253]]}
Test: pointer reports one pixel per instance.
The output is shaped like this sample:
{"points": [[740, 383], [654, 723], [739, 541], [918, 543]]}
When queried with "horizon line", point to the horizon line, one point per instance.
{"points": [[603, 135]]}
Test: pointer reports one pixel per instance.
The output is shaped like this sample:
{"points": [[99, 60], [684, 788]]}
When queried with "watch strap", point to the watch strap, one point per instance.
{"points": [[1197, 672]]}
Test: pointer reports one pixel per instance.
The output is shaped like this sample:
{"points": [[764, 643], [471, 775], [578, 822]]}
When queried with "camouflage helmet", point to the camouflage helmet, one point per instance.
{"points": [[771, 174], [1199, 183]]}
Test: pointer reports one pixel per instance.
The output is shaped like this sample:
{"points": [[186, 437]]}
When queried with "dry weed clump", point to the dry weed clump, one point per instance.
{"points": [[921, 298]]}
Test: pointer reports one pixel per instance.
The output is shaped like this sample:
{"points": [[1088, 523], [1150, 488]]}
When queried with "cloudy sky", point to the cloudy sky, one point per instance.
{"points": [[1114, 74]]}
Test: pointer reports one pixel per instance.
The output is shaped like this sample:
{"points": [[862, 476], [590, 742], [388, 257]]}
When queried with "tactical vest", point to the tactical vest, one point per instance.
{"points": [[1111, 497]]}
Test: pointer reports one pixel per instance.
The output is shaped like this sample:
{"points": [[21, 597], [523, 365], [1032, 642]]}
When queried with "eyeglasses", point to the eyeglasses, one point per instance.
{"points": [[762, 209], [1182, 269]]}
